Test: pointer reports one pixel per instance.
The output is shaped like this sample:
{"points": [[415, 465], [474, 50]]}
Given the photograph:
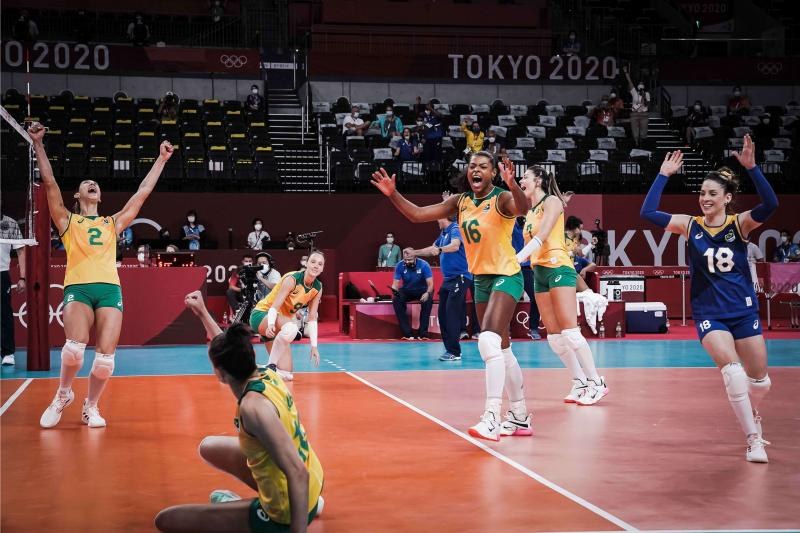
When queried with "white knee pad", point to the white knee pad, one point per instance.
{"points": [[103, 365], [759, 386], [555, 341], [72, 353], [288, 332], [489, 345], [574, 338], [735, 382]]}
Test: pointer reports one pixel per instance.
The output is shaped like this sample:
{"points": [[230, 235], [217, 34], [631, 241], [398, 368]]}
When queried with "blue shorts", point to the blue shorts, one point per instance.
{"points": [[740, 327]]}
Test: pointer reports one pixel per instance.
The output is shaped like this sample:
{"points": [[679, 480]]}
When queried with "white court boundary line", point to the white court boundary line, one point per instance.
{"points": [[527, 471], [16, 395]]}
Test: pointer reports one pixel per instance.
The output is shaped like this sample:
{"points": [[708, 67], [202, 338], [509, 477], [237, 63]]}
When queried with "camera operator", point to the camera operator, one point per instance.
{"points": [[235, 284], [600, 248], [266, 275]]}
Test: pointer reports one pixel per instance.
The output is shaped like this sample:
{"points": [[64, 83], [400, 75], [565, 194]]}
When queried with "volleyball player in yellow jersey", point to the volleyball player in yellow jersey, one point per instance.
{"points": [[92, 293], [486, 216], [274, 316], [271, 453], [555, 283]]}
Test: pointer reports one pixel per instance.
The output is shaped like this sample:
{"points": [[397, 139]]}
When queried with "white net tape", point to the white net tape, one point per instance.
{"points": [[20, 232]]}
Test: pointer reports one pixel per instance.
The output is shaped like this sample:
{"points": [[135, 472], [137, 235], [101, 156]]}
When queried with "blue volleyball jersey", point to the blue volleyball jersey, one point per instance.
{"points": [[721, 284]]}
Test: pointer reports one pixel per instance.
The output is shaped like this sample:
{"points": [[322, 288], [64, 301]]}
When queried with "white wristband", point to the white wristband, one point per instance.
{"points": [[311, 328], [272, 316], [529, 250]]}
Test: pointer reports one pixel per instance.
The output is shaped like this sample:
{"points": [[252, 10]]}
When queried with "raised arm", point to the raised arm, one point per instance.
{"points": [[194, 301], [673, 223], [55, 200], [515, 204], [628, 77], [413, 212], [750, 220], [132, 207]]}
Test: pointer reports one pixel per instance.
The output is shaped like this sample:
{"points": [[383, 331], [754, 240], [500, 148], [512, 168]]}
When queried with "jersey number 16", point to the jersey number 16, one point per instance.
{"points": [[722, 258]]}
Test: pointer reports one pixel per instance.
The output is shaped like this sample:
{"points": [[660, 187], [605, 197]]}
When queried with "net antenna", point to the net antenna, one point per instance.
{"points": [[11, 233]]}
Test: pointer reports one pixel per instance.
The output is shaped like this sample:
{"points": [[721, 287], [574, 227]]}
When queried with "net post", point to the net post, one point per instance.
{"points": [[39, 283]]}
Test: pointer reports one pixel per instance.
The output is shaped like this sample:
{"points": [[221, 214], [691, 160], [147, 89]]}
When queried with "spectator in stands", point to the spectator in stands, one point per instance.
{"points": [[571, 46], [739, 104], [257, 237], [389, 253], [125, 239], [234, 292], [417, 278], [171, 249], [168, 108], [433, 133], [83, 27], [754, 256], [640, 105], [698, 116], [408, 148], [766, 129], [193, 231], [254, 101], [143, 255], [165, 240], [11, 230], [475, 137], [25, 29], [492, 144], [138, 31], [268, 276], [389, 123], [353, 124], [217, 8], [603, 114], [453, 292], [787, 251], [419, 107]]}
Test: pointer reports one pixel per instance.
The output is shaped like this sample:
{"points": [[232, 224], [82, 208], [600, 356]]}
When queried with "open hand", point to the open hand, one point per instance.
{"points": [[386, 184], [508, 171], [20, 286], [194, 302], [747, 157], [165, 150], [315, 355], [672, 163]]}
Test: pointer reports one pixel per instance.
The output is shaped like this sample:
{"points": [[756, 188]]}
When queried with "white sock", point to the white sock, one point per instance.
{"points": [[736, 387], [575, 340], [515, 388], [567, 355], [492, 355], [758, 388]]}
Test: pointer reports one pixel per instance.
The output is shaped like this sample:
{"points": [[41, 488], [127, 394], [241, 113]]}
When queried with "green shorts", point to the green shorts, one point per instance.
{"points": [[256, 318], [545, 278], [485, 284], [261, 523], [95, 295]]}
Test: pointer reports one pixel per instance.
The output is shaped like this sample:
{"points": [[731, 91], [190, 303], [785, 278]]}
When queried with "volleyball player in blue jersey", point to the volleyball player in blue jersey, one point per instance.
{"points": [[724, 304]]}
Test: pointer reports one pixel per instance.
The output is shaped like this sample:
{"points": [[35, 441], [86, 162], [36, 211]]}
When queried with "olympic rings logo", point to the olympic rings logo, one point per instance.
{"points": [[233, 61], [56, 313], [523, 318], [658, 272], [770, 69]]}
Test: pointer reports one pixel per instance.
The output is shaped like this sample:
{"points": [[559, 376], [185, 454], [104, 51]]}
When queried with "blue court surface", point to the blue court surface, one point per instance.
{"points": [[398, 357]]}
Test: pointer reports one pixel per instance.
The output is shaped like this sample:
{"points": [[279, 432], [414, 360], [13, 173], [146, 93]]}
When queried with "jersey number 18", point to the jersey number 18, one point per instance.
{"points": [[722, 258]]}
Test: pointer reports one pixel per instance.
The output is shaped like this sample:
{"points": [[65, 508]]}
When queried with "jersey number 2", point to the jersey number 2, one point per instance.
{"points": [[471, 233], [722, 258], [94, 236]]}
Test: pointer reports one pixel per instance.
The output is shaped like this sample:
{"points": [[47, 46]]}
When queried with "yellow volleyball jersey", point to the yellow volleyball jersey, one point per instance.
{"points": [[300, 297], [91, 246], [273, 489], [486, 234], [553, 252]]}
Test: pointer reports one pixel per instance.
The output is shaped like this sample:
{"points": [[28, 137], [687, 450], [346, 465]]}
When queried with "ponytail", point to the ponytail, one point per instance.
{"points": [[233, 352], [549, 184]]}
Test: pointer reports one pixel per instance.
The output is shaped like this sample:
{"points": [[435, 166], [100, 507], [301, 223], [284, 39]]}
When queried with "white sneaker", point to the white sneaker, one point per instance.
{"points": [[320, 506], [516, 426], [91, 416], [593, 393], [52, 414], [756, 449], [285, 376], [578, 386], [487, 428], [223, 496], [8, 360]]}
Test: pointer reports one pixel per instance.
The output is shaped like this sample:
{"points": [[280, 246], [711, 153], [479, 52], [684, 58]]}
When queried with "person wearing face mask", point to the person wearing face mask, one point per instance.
{"points": [[389, 253], [739, 103], [475, 137], [571, 46], [407, 148], [640, 105], [257, 237], [389, 123], [432, 133], [353, 124], [417, 278], [492, 144], [787, 251], [268, 276], [143, 255], [698, 116], [254, 101], [193, 231], [234, 291]]}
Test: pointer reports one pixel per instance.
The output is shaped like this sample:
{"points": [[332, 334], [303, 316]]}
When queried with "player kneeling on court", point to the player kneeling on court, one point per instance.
{"points": [[271, 453], [275, 318]]}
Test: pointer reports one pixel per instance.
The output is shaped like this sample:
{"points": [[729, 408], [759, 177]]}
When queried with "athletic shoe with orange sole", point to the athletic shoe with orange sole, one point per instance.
{"points": [[578, 387], [487, 428]]}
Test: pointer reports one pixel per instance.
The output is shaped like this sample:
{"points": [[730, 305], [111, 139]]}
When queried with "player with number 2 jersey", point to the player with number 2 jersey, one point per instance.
{"points": [[724, 305]]}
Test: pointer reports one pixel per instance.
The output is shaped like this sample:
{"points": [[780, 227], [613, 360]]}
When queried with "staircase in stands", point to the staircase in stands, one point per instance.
{"points": [[297, 155], [695, 166]]}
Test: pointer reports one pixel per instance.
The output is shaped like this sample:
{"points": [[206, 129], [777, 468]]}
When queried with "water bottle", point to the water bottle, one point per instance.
{"points": [[618, 330], [667, 324], [601, 332], [225, 318]]}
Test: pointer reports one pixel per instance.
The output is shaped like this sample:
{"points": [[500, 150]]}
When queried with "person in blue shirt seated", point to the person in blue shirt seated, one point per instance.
{"points": [[389, 123], [786, 251], [417, 279], [518, 242], [452, 293]]}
